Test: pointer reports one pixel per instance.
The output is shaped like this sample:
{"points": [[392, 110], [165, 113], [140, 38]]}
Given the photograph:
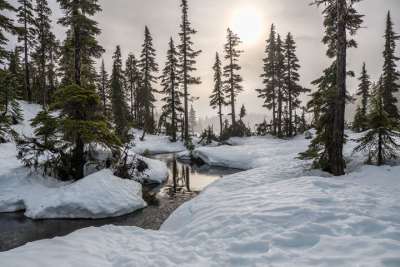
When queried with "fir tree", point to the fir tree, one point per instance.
{"points": [[41, 50], [192, 119], [232, 82], [360, 119], [380, 141], [119, 107], [170, 82], [6, 25], [103, 88], [268, 93], [291, 79], [187, 62], [148, 67], [242, 113], [78, 123], [390, 77], [280, 96], [27, 37], [132, 77], [81, 47], [341, 20], [217, 98], [81, 44]]}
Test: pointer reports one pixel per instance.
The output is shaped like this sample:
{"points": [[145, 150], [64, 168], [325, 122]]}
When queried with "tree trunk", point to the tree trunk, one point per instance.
{"points": [[185, 85], [337, 164], [233, 115], [26, 60], [220, 120]]}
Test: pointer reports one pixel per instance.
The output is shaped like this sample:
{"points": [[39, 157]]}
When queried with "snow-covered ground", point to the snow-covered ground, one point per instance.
{"points": [[275, 214], [155, 144]]}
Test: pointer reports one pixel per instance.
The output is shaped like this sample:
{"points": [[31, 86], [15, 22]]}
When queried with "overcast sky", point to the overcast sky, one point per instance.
{"points": [[123, 21]]}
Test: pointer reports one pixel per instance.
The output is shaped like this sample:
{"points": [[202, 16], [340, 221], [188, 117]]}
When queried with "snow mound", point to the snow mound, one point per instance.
{"points": [[251, 152], [156, 144], [99, 195], [157, 171]]}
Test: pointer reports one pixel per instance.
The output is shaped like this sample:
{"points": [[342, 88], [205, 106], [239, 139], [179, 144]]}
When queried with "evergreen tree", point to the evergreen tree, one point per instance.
{"points": [[132, 77], [232, 82], [6, 25], [391, 77], [192, 119], [360, 119], [292, 77], [268, 93], [280, 96], [103, 88], [170, 82], [380, 142], [40, 54], [341, 20], [217, 98], [79, 124], [243, 113], [187, 63], [27, 37], [148, 67], [322, 105], [119, 107], [15, 69], [81, 45]]}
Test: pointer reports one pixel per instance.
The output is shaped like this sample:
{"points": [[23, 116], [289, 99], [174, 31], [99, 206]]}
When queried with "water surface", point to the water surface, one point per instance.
{"points": [[185, 182]]}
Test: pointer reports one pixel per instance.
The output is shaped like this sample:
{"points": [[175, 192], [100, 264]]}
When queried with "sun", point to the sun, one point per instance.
{"points": [[248, 24]]}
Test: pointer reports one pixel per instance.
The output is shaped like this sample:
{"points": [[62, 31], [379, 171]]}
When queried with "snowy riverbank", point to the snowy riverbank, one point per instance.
{"points": [[275, 214]]}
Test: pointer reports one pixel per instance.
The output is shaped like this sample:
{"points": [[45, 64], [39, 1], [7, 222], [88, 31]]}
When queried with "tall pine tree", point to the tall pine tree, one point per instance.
{"points": [[103, 88], [280, 96], [119, 107], [170, 82], [360, 123], [268, 93], [41, 50], [390, 77], [81, 43], [132, 77], [27, 37], [217, 98], [232, 81], [81, 46], [291, 80], [187, 63], [341, 20], [148, 68]]}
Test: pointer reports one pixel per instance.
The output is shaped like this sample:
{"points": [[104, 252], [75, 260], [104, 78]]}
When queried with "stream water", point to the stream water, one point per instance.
{"points": [[185, 182]]}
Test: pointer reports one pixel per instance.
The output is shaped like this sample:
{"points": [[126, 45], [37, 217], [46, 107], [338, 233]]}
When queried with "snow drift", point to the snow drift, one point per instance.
{"points": [[99, 195]]}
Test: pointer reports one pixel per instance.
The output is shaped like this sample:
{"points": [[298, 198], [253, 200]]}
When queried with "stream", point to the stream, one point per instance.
{"points": [[185, 182]]}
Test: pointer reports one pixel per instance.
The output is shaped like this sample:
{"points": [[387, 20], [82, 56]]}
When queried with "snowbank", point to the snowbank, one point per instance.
{"points": [[251, 152], [99, 195], [156, 144], [157, 171]]}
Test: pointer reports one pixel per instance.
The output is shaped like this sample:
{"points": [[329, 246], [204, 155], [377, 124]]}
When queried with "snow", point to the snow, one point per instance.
{"points": [[251, 152], [99, 195], [275, 214], [157, 171], [156, 144]]}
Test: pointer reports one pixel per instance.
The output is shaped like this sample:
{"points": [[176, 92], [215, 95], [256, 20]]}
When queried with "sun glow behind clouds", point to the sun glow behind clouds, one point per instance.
{"points": [[247, 22]]}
